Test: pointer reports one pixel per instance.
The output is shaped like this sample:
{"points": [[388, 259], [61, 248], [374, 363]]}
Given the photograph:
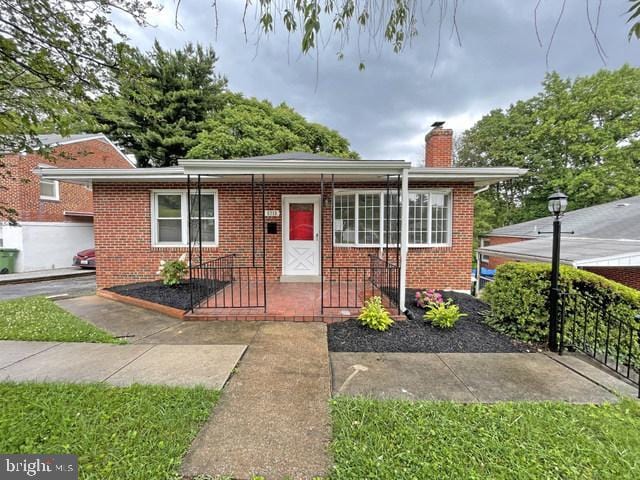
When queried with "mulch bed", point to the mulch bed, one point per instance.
{"points": [[177, 296], [469, 335]]}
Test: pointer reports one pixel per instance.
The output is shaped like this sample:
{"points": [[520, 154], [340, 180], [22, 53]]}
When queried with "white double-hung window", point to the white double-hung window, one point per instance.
{"points": [[371, 218], [170, 218]]}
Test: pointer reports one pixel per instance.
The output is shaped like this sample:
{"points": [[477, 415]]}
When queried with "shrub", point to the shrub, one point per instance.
{"points": [[374, 315], [443, 314], [425, 297], [173, 271], [518, 297]]}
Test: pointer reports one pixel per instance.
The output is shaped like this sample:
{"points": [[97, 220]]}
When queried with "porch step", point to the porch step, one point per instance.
{"points": [[332, 316], [300, 279]]}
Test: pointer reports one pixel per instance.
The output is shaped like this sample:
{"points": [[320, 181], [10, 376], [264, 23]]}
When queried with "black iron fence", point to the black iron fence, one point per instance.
{"points": [[612, 338], [350, 286], [483, 281], [222, 283]]}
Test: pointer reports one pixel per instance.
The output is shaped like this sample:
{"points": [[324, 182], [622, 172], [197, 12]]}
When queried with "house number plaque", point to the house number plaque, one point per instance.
{"points": [[272, 213]]}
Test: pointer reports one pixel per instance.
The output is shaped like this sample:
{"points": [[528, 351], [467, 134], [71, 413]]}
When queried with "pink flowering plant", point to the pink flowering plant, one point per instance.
{"points": [[173, 271], [426, 298]]}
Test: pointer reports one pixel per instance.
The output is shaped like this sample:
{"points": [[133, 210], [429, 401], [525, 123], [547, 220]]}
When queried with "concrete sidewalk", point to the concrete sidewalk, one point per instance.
{"points": [[174, 365], [472, 377], [139, 325], [44, 275], [272, 419]]}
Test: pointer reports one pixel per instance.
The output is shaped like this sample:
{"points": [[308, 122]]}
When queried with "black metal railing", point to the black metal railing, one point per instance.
{"points": [[222, 283], [589, 325], [484, 281], [351, 286]]}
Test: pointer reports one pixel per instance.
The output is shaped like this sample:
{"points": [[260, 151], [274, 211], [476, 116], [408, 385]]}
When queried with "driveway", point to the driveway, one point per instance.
{"points": [[65, 286]]}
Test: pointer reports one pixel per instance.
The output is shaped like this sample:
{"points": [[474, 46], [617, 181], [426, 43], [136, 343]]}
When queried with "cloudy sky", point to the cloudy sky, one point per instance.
{"points": [[386, 109]]}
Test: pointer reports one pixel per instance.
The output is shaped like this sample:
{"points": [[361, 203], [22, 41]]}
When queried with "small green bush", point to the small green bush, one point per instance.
{"points": [[443, 314], [519, 294], [173, 271], [374, 315]]}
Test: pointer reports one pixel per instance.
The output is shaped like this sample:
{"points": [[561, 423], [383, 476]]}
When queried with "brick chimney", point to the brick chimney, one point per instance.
{"points": [[438, 148]]}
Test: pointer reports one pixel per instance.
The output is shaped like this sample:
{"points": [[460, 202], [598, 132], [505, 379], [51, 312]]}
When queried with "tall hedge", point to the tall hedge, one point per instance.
{"points": [[519, 297]]}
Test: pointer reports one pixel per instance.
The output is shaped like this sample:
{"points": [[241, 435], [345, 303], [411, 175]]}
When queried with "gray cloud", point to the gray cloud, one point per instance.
{"points": [[385, 110]]}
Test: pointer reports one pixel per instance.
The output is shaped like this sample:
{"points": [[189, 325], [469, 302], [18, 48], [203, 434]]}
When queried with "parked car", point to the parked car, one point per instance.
{"points": [[85, 259]]}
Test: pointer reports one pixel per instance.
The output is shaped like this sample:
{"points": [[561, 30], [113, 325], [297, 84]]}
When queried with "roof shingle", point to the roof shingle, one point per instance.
{"points": [[618, 220]]}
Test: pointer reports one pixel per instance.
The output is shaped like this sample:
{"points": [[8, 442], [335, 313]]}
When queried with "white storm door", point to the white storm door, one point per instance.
{"points": [[301, 235]]}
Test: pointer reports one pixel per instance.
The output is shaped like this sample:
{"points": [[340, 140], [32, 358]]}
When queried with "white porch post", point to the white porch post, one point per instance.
{"points": [[478, 267], [404, 235]]}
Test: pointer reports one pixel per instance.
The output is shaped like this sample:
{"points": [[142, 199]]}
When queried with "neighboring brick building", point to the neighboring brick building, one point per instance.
{"points": [[49, 210], [333, 213], [604, 239]]}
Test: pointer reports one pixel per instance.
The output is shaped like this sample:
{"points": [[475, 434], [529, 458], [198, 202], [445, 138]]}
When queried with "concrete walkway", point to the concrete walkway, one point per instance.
{"points": [[44, 275], [139, 325], [174, 365], [472, 377], [272, 419], [122, 320]]}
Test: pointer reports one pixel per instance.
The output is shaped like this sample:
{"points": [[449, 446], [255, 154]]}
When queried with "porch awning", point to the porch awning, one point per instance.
{"points": [[285, 167], [293, 166]]}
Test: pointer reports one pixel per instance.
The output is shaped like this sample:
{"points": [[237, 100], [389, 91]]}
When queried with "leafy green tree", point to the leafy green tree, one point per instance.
{"points": [[394, 22], [246, 127], [580, 136], [163, 98], [54, 55]]}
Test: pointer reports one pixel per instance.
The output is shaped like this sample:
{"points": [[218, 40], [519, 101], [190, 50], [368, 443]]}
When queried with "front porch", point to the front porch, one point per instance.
{"points": [[296, 302], [285, 262]]}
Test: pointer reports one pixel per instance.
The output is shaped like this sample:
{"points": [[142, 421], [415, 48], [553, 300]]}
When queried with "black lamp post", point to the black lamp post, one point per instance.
{"points": [[557, 206]]}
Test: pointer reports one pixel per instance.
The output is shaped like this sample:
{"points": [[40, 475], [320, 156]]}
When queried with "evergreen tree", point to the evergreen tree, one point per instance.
{"points": [[162, 101]]}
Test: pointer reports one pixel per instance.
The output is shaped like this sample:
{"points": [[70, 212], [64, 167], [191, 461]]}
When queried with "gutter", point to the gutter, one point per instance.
{"points": [[516, 256]]}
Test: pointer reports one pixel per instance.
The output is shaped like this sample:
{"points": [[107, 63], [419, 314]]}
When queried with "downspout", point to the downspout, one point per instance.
{"points": [[404, 237], [478, 256], [478, 267], [190, 246]]}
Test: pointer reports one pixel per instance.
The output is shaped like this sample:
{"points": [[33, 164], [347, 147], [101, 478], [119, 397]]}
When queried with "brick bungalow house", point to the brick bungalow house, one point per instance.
{"points": [[604, 239], [54, 219], [327, 230]]}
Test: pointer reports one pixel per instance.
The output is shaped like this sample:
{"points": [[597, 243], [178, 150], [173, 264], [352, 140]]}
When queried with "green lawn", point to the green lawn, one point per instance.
{"points": [[137, 432], [37, 318], [425, 440]]}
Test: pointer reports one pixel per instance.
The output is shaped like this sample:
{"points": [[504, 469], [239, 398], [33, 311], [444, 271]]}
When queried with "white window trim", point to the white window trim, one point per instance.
{"points": [[382, 193], [483, 258], [184, 217], [56, 187]]}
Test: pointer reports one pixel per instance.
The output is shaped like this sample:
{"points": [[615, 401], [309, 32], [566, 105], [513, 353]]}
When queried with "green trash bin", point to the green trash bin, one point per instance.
{"points": [[8, 260]]}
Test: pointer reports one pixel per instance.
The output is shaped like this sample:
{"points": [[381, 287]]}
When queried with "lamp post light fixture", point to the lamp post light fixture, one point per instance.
{"points": [[557, 206]]}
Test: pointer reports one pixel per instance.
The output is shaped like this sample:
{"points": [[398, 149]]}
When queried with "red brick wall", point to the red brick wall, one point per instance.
{"points": [[493, 262], [22, 190], [125, 254], [629, 276], [438, 148]]}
